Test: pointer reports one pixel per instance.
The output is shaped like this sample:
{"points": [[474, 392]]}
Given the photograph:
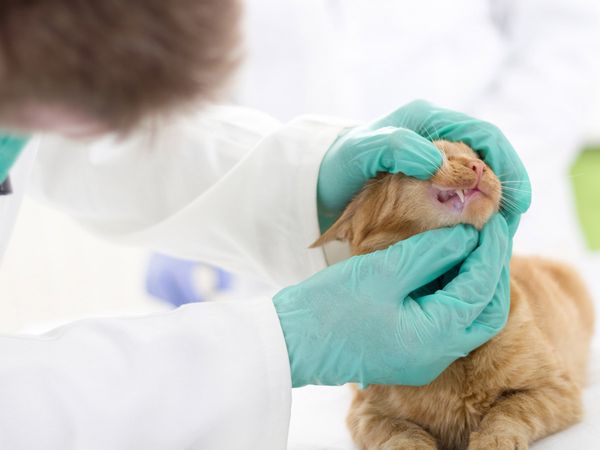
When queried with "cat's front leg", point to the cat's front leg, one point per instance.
{"points": [[498, 441], [521, 417], [393, 434], [372, 430]]}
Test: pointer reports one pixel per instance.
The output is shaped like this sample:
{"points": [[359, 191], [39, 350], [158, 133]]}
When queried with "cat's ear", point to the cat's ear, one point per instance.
{"points": [[341, 230]]}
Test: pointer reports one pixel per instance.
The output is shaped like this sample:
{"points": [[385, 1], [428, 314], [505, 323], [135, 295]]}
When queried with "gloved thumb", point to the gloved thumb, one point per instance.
{"points": [[415, 262]]}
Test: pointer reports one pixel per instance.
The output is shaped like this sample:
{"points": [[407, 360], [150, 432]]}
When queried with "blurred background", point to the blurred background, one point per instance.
{"points": [[529, 66]]}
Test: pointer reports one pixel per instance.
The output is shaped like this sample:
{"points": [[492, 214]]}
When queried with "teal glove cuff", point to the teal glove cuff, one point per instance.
{"points": [[10, 149]]}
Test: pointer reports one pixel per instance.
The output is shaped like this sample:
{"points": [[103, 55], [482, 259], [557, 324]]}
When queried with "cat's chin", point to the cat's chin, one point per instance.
{"points": [[476, 216], [479, 217]]}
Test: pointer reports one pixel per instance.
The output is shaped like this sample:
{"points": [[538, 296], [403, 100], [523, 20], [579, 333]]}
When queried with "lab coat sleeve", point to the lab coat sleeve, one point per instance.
{"points": [[205, 376], [229, 186], [542, 95]]}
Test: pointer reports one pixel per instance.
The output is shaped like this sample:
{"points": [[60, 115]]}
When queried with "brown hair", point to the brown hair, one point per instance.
{"points": [[118, 60]]}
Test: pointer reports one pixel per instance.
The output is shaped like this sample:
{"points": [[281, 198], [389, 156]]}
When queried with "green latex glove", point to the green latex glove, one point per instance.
{"points": [[10, 149], [359, 154], [356, 321], [400, 142]]}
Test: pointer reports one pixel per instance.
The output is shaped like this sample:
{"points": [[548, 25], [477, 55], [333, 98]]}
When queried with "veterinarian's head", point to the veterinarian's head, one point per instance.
{"points": [[82, 67]]}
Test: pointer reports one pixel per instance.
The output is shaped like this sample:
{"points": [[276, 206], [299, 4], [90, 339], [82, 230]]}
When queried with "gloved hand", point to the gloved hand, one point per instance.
{"points": [[400, 142], [357, 322], [359, 154], [10, 149]]}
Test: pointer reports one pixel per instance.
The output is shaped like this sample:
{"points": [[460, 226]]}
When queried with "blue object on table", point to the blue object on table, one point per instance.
{"points": [[173, 280]]}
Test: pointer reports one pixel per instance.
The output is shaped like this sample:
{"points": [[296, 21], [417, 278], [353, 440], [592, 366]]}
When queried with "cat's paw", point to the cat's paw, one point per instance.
{"points": [[490, 441], [400, 442]]}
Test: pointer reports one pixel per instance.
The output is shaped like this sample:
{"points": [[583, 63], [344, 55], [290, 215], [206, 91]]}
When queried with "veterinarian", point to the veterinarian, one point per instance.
{"points": [[234, 187]]}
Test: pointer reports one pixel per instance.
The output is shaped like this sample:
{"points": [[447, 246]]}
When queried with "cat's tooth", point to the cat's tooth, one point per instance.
{"points": [[461, 195]]}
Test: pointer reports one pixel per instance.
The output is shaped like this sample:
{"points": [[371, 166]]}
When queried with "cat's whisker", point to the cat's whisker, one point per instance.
{"points": [[516, 186], [436, 134], [515, 189], [443, 171], [430, 137], [507, 172], [431, 173], [507, 175], [511, 211], [431, 160], [509, 207], [509, 200]]}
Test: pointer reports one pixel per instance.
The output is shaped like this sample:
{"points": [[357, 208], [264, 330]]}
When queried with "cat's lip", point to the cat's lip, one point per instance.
{"points": [[455, 198]]}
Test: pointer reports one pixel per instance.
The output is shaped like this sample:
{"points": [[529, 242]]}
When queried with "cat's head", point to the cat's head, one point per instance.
{"points": [[394, 207]]}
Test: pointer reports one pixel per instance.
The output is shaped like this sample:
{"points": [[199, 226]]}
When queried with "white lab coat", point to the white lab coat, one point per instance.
{"points": [[237, 188], [229, 185]]}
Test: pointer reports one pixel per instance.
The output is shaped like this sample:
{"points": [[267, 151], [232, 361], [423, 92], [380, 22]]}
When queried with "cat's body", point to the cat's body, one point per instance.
{"points": [[522, 385]]}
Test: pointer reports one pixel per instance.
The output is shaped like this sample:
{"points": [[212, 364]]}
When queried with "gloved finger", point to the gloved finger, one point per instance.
{"points": [[394, 150], [427, 373], [494, 316], [409, 153], [465, 297], [387, 149], [492, 320], [513, 223], [416, 261], [433, 123], [459, 342]]}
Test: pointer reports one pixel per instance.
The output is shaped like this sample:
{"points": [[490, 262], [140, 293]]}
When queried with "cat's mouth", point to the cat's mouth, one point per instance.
{"points": [[455, 199]]}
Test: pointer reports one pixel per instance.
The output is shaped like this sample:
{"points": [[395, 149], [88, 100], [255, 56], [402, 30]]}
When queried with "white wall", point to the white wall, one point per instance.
{"points": [[594, 121]]}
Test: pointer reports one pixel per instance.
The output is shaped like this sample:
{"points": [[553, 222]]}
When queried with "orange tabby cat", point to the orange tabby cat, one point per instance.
{"points": [[522, 385]]}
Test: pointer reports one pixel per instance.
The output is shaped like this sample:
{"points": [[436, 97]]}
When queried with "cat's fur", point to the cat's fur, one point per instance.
{"points": [[522, 385]]}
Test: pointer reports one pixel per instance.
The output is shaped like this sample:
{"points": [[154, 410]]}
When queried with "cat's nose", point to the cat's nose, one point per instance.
{"points": [[478, 167]]}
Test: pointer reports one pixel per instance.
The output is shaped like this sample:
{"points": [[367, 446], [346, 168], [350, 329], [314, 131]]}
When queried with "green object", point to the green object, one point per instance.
{"points": [[10, 149], [400, 142], [356, 321], [585, 175]]}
